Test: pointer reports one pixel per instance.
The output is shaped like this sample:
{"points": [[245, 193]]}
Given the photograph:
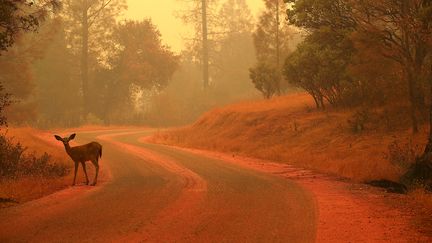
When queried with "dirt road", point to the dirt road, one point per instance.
{"points": [[159, 194]]}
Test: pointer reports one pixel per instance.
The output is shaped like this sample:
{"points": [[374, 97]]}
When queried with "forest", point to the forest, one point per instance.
{"points": [[80, 63], [272, 113], [101, 67]]}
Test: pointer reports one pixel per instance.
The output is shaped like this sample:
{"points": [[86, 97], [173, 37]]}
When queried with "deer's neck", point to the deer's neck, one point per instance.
{"points": [[68, 149]]}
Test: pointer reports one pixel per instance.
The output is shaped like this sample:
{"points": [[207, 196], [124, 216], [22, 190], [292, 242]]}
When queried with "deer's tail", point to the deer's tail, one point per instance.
{"points": [[100, 152]]}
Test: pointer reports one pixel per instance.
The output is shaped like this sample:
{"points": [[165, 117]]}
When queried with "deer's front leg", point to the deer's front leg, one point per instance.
{"points": [[85, 172], [76, 168]]}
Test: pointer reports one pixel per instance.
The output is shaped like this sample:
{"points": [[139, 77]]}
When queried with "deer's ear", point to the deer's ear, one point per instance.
{"points": [[58, 137], [72, 136]]}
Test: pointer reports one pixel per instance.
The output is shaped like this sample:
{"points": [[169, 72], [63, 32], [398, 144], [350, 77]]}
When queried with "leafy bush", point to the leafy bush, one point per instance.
{"points": [[4, 102], [265, 79], [14, 162], [402, 155]]}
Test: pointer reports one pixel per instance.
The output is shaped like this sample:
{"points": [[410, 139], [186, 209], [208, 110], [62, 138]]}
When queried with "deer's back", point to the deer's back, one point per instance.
{"points": [[90, 151]]}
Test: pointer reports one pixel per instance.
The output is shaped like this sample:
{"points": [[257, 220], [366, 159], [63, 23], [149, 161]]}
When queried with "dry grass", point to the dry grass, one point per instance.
{"points": [[421, 201], [37, 140], [90, 127], [29, 188], [288, 130], [424, 198]]}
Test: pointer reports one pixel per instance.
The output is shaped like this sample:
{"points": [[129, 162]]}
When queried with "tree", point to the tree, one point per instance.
{"points": [[265, 79], [17, 74], [313, 15], [427, 23], [380, 81], [234, 17], [425, 18], [300, 70], [95, 19], [18, 16], [272, 39], [142, 59], [201, 15], [321, 69], [141, 62], [17, 79], [54, 79], [400, 30], [320, 64], [231, 54], [182, 101], [235, 51], [205, 45]]}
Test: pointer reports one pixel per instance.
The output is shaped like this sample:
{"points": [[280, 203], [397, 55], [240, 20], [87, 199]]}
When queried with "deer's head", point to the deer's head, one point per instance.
{"points": [[65, 140]]}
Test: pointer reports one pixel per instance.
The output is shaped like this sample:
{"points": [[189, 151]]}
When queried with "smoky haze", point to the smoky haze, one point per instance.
{"points": [[113, 67], [283, 99]]}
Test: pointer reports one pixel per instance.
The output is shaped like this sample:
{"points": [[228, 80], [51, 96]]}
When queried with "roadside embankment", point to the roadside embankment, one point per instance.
{"points": [[34, 165], [289, 130]]}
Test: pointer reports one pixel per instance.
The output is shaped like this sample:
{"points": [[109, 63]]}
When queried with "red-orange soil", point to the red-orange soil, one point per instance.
{"points": [[347, 212]]}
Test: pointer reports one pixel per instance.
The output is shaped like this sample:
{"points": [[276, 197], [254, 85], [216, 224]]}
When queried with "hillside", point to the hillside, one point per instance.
{"points": [[290, 130]]}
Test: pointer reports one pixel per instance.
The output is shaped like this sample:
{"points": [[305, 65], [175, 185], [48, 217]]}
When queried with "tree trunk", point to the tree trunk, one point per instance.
{"points": [[84, 59], [409, 64], [316, 101], [277, 35], [413, 102], [428, 148], [322, 101], [421, 171], [278, 48], [205, 45], [420, 55]]}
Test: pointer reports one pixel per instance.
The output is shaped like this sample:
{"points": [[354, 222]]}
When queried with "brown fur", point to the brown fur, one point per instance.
{"points": [[87, 152], [81, 154]]}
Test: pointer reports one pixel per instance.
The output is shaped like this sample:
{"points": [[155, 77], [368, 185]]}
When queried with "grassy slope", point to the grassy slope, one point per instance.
{"points": [[288, 130], [28, 188]]}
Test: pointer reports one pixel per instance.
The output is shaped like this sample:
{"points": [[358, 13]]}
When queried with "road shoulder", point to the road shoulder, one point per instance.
{"points": [[348, 212]]}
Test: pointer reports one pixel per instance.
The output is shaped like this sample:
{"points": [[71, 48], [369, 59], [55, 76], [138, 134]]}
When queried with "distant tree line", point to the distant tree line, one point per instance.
{"points": [[82, 66], [230, 28]]}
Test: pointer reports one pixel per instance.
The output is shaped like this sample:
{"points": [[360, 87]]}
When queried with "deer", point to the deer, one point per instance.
{"points": [[81, 154]]}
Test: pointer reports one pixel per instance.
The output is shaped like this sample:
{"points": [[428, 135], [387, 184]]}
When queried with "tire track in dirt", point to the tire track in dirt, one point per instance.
{"points": [[186, 206], [348, 212], [244, 205], [140, 197]]}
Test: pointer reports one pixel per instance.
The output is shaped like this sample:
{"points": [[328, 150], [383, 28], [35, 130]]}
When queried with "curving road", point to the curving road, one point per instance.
{"points": [[160, 194]]}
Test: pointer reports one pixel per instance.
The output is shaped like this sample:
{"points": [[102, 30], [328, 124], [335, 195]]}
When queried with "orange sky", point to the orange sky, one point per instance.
{"points": [[162, 12]]}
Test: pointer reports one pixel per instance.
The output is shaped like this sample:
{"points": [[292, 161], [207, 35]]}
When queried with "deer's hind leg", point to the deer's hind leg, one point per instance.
{"points": [[75, 173], [96, 165], [85, 172]]}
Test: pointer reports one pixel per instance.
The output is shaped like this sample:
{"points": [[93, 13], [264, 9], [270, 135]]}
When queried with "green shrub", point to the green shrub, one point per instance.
{"points": [[15, 163]]}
